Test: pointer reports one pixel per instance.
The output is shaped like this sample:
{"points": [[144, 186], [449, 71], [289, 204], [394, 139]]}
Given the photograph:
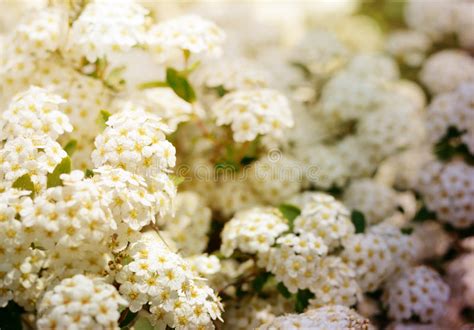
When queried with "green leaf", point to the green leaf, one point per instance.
{"points": [[260, 280], [451, 146], [24, 183], [104, 114], [54, 179], [70, 147], [226, 165], [247, 160], [424, 214], [290, 212], [10, 316], [126, 318], [88, 173], [142, 323], [358, 219], [302, 300], [180, 85], [177, 180], [220, 90], [283, 290], [115, 78], [407, 230]]}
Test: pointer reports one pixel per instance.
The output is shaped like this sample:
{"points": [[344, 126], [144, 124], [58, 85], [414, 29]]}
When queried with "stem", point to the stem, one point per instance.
{"points": [[153, 84]]}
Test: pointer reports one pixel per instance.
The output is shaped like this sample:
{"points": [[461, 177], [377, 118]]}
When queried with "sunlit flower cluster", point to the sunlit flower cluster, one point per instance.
{"points": [[236, 165]]}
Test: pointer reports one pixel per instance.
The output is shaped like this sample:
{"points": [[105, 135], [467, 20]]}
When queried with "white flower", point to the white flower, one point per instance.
{"points": [[321, 52], [455, 66], [375, 200], [252, 231], [254, 112], [190, 224], [418, 291], [327, 317], [325, 217], [131, 200], [448, 189], [361, 95], [370, 257], [294, 260], [34, 112], [408, 45], [231, 74], [374, 65], [275, 180], [204, 265], [403, 248], [39, 33], [436, 21], [162, 279], [19, 263], [335, 283], [164, 103], [73, 215], [83, 302], [36, 156], [189, 33], [106, 27], [135, 141], [453, 109]]}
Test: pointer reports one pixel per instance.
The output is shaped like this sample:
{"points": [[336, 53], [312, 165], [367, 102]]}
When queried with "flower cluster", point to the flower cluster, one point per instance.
{"points": [[448, 189], [135, 141], [370, 257], [157, 277], [35, 112], [323, 157], [252, 231], [328, 317], [452, 110], [80, 302], [326, 217], [454, 66], [254, 112], [376, 201], [190, 224], [105, 28], [191, 34], [419, 291]]}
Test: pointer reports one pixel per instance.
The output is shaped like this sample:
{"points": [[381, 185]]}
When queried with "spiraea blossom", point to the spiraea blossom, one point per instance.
{"points": [[19, 263], [455, 66], [452, 110], [39, 33], [370, 257], [36, 156], [104, 28], [326, 218], [328, 317], [158, 278], [80, 302], [418, 291], [190, 224], [376, 201], [236, 165], [135, 141], [448, 190], [254, 112], [34, 112], [191, 34], [253, 230]]}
